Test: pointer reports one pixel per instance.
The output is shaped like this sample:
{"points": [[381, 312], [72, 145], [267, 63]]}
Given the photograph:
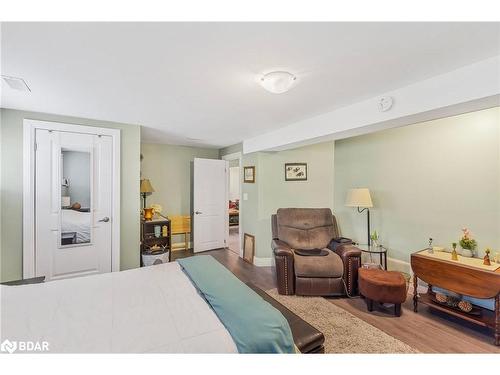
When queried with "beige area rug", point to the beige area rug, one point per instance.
{"points": [[344, 333]]}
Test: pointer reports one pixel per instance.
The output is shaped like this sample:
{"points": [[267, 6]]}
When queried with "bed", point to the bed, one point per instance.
{"points": [[76, 222], [171, 308]]}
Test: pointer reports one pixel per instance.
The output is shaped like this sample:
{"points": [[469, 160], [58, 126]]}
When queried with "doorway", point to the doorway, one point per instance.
{"points": [[71, 221], [209, 209], [234, 203]]}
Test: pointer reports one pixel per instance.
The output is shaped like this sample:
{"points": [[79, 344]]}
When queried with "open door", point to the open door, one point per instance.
{"points": [[210, 204]]}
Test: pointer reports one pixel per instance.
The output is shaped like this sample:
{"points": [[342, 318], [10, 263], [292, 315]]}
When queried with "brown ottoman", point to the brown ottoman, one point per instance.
{"points": [[382, 286]]}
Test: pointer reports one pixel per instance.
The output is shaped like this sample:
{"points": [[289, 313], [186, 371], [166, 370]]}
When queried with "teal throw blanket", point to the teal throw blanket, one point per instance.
{"points": [[254, 325]]}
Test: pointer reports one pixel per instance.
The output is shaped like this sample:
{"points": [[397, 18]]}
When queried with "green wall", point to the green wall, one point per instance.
{"points": [[169, 169], [270, 190], [11, 139], [427, 180]]}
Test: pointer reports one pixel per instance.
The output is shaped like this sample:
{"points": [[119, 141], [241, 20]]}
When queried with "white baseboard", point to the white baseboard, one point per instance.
{"points": [[402, 266], [398, 265], [263, 262]]}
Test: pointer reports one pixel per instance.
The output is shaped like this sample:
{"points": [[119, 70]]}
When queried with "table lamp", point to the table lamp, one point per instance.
{"points": [[146, 188], [361, 198]]}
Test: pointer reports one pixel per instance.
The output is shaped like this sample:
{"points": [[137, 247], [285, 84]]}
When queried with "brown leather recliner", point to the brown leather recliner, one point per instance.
{"points": [[308, 229]]}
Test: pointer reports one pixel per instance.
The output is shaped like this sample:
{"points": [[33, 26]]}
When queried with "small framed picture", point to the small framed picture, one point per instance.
{"points": [[249, 174], [295, 172], [248, 247]]}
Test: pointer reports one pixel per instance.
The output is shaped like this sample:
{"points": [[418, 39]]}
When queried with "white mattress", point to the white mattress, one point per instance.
{"points": [[76, 221], [150, 309]]}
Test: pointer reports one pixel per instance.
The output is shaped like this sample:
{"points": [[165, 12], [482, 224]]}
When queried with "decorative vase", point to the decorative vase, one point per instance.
{"points": [[467, 253], [148, 214], [454, 255], [157, 231], [486, 259]]}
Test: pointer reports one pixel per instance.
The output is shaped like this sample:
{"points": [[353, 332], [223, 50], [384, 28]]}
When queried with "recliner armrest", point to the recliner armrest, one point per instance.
{"points": [[281, 248], [351, 257], [285, 274], [345, 251]]}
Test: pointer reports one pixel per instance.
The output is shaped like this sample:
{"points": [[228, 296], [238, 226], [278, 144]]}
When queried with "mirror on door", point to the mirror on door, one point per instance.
{"points": [[75, 197]]}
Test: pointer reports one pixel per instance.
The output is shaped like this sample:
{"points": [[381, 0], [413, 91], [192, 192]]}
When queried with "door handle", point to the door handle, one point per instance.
{"points": [[198, 212], [104, 219]]}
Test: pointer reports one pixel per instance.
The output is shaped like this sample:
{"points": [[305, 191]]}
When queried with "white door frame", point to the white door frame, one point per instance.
{"points": [[29, 128], [237, 156]]}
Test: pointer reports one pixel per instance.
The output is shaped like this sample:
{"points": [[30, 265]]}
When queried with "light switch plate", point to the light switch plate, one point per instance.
{"points": [[245, 196]]}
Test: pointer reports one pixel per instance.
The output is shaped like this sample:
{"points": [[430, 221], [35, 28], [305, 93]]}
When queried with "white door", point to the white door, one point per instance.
{"points": [[73, 204], [210, 204]]}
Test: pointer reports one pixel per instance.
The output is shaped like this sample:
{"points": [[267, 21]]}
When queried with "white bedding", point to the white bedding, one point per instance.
{"points": [[150, 309], [76, 221]]}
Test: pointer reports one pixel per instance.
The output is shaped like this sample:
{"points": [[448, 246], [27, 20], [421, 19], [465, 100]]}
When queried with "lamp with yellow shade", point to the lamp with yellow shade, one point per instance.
{"points": [[361, 198], [146, 188]]}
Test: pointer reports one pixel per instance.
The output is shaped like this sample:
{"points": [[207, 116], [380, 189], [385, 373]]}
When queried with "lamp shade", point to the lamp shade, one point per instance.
{"points": [[359, 198], [146, 186]]}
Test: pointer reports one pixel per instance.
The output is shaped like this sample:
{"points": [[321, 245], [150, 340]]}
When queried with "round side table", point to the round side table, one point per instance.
{"points": [[379, 250]]}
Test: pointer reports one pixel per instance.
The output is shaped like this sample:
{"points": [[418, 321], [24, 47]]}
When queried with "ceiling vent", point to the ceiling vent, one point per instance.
{"points": [[16, 83]]}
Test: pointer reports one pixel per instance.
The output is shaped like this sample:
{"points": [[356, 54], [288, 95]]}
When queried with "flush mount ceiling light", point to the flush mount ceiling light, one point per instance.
{"points": [[278, 82], [16, 83]]}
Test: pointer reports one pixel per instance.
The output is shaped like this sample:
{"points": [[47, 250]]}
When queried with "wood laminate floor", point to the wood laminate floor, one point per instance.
{"points": [[234, 239], [427, 331]]}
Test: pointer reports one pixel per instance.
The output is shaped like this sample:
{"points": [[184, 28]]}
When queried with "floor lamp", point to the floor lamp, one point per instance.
{"points": [[146, 188], [361, 198]]}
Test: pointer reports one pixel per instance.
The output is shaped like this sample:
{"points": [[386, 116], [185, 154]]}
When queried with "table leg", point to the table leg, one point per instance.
{"points": [[415, 295], [497, 319], [369, 304], [397, 309]]}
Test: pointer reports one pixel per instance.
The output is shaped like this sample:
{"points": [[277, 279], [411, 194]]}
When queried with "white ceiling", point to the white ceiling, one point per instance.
{"points": [[185, 81]]}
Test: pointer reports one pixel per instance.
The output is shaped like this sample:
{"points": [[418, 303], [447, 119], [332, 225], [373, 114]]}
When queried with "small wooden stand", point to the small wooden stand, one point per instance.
{"points": [[462, 279], [149, 239]]}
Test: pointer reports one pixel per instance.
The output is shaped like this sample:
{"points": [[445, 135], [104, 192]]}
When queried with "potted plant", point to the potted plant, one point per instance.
{"points": [[374, 237], [467, 243]]}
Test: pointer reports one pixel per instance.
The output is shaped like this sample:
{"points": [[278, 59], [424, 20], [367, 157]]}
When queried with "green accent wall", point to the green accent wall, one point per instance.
{"points": [[169, 168], [270, 190], [427, 180], [11, 200]]}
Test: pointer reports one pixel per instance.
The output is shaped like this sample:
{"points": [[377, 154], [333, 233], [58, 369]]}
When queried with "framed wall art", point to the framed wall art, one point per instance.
{"points": [[296, 172], [248, 247], [249, 174]]}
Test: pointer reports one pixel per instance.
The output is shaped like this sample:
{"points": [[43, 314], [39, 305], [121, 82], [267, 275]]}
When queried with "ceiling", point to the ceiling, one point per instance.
{"points": [[196, 83]]}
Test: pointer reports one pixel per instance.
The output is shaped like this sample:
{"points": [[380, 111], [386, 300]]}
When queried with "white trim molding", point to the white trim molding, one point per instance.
{"points": [[394, 264], [263, 262], [29, 128], [237, 156]]}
